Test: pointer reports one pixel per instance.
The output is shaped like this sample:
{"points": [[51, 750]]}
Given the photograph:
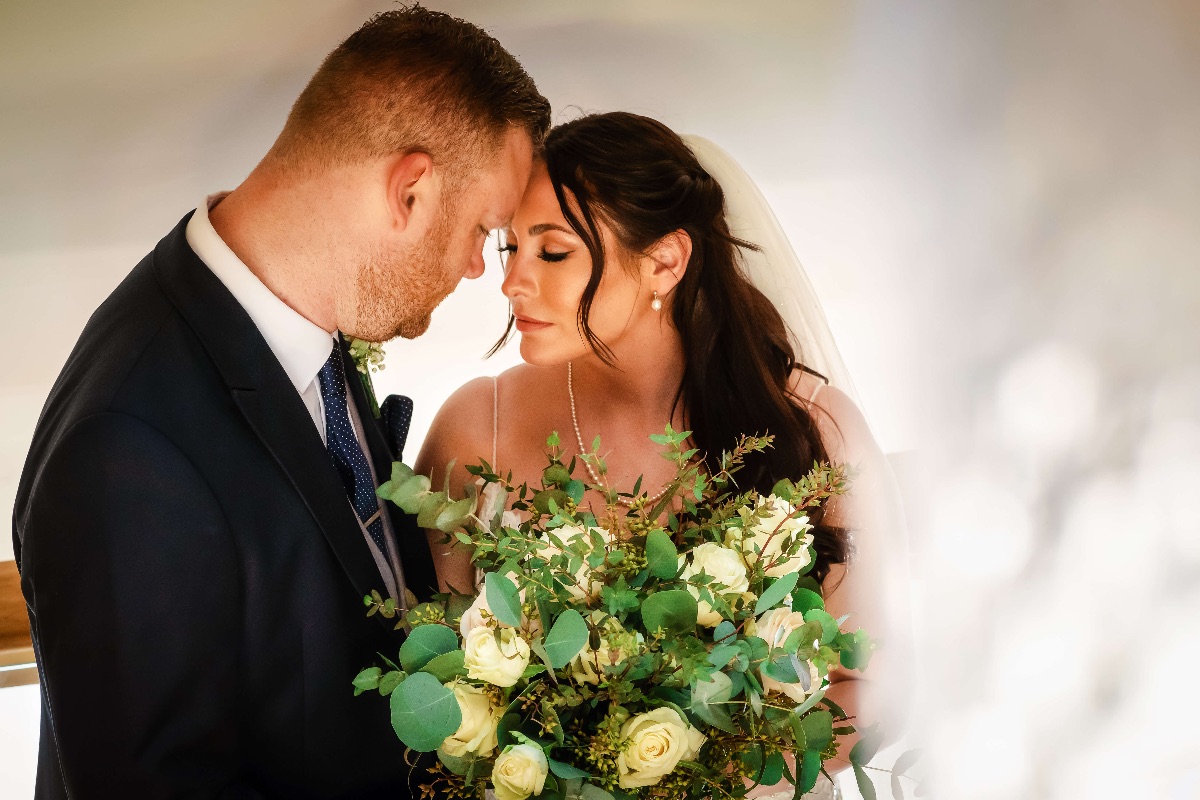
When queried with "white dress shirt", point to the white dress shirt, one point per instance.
{"points": [[301, 347]]}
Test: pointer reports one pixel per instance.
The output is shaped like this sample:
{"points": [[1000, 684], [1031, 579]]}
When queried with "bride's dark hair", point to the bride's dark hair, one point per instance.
{"points": [[641, 179]]}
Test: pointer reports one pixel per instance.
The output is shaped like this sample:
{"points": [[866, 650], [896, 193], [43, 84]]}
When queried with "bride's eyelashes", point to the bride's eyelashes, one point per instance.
{"points": [[544, 254], [553, 258]]}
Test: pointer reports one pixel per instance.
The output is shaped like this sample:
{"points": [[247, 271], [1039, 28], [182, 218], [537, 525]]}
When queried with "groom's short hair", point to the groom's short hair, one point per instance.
{"points": [[412, 80]]}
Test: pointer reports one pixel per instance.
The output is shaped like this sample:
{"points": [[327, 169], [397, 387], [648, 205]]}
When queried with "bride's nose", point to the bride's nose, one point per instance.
{"points": [[518, 282]]}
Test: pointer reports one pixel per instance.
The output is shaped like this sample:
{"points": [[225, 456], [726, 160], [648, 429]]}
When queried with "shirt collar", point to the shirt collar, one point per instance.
{"points": [[300, 346]]}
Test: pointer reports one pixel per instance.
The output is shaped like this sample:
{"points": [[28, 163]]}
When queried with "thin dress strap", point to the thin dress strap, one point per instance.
{"points": [[495, 417]]}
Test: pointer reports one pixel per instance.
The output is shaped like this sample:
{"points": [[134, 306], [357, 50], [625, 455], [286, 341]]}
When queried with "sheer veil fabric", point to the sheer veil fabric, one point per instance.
{"points": [[776, 271]]}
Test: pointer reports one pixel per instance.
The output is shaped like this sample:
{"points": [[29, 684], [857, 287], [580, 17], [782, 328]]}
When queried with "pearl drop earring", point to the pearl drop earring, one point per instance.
{"points": [[656, 304]]}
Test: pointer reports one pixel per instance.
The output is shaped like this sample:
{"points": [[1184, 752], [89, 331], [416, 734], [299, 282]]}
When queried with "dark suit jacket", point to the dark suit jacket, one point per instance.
{"points": [[193, 568]]}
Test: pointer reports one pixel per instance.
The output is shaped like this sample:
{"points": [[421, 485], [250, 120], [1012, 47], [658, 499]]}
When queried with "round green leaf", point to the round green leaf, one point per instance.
{"points": [[447, 666], [566, 771], [662, 559], [367, 679], [424, 712], [503, 599], [818, 729], [810, 768], [674, 611], [804, 600], [424, 643], [566, 638]]}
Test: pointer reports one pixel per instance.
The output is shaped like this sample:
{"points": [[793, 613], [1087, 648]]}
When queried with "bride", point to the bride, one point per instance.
{"points": [[637, 305]]}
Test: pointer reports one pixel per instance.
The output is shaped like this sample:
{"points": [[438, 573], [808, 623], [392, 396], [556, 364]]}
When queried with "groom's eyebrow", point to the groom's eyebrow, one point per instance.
{"points": [[538, 230]]}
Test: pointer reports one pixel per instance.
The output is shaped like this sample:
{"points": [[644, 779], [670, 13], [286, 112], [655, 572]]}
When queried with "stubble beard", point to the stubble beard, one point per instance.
{"points": [[398, 291]]}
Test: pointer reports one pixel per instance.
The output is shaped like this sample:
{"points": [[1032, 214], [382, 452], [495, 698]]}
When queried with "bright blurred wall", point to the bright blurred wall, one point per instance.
{"points": [[995, 200]]}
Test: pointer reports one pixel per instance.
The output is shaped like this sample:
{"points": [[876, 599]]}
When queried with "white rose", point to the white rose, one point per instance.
{"points": [[755, 540], [724, 566], [775, 627], [498, 656], [477, 733], [658, 740], [520, 771], [583, 587]]}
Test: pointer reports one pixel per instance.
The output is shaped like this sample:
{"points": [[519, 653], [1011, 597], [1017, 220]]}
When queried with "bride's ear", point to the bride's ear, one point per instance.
{"points": [[669, 259], [412, 189]]}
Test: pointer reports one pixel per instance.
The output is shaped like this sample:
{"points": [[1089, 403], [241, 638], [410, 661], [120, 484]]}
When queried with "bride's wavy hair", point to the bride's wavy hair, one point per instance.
{"points": [[639, 178]]}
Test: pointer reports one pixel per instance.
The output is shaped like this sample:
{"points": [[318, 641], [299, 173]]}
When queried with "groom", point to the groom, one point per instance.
{"points": [[196, 524]]}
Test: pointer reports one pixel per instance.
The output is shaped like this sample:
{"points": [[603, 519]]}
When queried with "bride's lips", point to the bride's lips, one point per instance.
{"points": [[528, 324]]}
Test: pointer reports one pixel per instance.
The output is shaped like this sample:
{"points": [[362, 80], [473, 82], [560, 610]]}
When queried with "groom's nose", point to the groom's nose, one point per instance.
{"points": [[475, 267]]}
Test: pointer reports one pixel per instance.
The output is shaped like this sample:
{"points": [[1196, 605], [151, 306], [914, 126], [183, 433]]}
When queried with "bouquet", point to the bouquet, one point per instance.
{"points": [[668, 648]]}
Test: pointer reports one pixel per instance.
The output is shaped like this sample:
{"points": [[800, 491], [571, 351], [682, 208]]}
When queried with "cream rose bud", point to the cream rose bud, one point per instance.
{"points": [[774, 627], [498, 656], [755, 540], [658, 740], [724, 566], [477, 733], [520, 771]]}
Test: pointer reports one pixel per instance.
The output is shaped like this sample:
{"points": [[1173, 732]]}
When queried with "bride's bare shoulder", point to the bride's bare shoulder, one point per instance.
{"points": [[465, 424], [462, 425]]}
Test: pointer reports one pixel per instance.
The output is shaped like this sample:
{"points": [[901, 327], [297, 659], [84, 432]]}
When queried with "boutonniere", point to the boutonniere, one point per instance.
{"points": [[368, 358]]}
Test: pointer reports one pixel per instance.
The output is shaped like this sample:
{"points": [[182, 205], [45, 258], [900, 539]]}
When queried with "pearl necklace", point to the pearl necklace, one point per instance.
{"points": [[625, 501]]}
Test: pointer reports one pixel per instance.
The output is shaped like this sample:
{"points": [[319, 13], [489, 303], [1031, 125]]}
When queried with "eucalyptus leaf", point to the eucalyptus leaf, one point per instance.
{"points": [[366, 680], [431, 507], [708, 699], [566, 771], [866, 747], [724, 630], [775, 593], [453, 516], [772, 770], [818, 729], [447, 666], [389, 682], [566, 638], [662, 558], [906, 760], [805, 599], [674, 611], [424, 712], [503, 599], [810, 769], [865, 787], [424, 643], [592, 792]]}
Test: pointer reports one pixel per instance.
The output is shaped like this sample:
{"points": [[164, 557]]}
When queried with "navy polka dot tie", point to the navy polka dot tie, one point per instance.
{"points": [[343, 446]]}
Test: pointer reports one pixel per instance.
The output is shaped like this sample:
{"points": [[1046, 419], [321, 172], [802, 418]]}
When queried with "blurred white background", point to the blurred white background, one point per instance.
{"points": [[997, 202]]}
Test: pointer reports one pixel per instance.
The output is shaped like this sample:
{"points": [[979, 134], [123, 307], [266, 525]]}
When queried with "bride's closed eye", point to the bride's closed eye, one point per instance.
{"points": [[544, 254]]}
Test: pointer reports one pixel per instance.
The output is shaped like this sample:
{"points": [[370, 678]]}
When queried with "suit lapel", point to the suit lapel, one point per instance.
{"points": [[411, 544], [269, 402]]}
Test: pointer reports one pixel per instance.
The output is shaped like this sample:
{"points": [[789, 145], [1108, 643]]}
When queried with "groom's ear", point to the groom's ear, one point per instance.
{"points": [[669, 258], [411, 189]]}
